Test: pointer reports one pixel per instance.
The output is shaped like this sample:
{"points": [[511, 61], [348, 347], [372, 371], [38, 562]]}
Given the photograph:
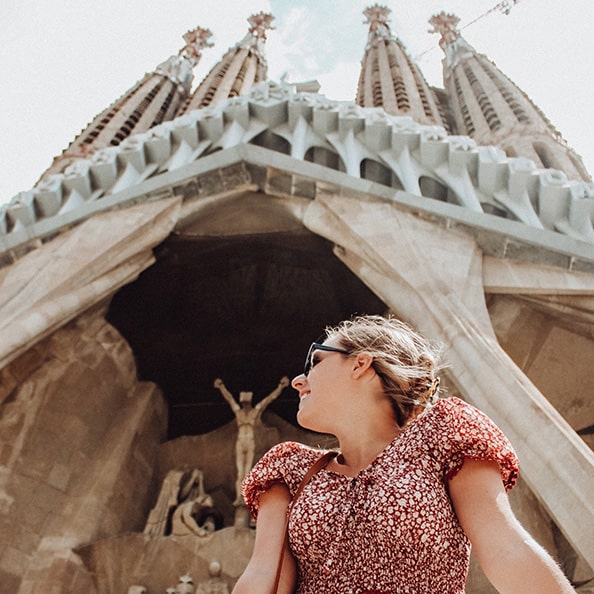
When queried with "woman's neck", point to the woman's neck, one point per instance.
{"points": [[357, 453]]}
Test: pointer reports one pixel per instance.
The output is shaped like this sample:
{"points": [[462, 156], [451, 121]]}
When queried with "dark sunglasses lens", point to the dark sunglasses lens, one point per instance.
{"points": [[307, 366]]}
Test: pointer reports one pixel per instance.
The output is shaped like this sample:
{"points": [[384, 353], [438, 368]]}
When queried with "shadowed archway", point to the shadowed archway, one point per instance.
{"points": [[244, 308]]}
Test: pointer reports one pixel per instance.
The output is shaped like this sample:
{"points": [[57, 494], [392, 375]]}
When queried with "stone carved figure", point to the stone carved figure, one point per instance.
{"points": [[247, 417], [160, 515], [196, 514], [215, 583], [182, 506]]}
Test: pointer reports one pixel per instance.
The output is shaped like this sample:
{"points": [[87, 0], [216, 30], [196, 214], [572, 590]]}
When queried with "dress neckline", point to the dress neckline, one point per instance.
{"points": [[392, 444]]}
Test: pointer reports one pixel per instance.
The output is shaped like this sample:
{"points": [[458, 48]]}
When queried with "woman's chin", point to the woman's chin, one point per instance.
{"points": [[306, 422], [303, 420]]}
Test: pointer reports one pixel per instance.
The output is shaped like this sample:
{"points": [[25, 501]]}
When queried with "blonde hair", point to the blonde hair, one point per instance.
{"points": [[406, 362]]}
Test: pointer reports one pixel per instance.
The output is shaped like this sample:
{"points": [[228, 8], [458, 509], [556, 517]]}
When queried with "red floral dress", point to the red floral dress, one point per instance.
{"points": [[392, 528]]}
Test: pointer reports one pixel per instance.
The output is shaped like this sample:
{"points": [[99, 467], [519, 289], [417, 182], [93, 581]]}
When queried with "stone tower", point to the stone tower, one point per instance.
{"points": [[240, 68], [154, 99], [487, 106], [390, 79], [218, 245]]}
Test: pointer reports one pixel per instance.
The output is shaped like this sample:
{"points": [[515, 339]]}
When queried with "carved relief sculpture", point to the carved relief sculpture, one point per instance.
{"points": [[247, 417], [183, 506]]}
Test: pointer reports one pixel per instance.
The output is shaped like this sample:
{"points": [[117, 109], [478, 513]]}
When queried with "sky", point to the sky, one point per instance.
{"points": [[64, 61]]}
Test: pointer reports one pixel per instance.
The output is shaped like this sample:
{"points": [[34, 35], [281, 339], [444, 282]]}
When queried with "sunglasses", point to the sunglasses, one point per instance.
{"points": [[316, 346]]}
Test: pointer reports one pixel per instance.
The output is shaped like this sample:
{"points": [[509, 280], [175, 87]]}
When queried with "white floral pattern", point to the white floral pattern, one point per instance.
{"points": [[392, 528]]}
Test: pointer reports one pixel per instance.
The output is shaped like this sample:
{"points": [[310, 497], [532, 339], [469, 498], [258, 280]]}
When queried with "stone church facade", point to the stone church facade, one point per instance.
{"points": [[217, 238]]}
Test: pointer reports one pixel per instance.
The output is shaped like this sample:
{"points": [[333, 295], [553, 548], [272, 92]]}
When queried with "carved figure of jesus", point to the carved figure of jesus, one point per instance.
{"points": [[247, 417]]}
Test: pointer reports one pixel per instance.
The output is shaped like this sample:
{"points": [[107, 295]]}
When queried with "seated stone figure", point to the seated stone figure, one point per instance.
{"points": [[183, 506]]}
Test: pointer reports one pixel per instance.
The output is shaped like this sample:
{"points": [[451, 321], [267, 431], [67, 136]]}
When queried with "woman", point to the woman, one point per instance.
{"points": [[416, 480]]}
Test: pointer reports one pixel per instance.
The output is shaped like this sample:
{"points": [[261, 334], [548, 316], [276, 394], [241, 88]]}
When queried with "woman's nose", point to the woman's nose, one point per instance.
{"points": [[298, 381]]}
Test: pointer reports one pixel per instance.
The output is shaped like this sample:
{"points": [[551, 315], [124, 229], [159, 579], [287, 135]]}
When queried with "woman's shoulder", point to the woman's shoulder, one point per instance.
{"points": [[285, 463], [451, 403], [292, 452], [453, 430], [453, 419], [455, 411]]}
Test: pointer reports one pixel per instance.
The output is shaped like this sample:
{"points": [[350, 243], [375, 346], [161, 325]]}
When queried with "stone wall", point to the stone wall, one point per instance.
{"points": [[554, 348], [78, 437]]}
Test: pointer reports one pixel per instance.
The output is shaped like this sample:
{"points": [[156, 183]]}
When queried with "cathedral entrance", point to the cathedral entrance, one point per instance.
{"points": [[243, 308]]}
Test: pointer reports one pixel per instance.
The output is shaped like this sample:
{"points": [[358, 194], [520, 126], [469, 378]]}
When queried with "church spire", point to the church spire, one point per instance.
{"points": [[241, 67], [196, 40], [489, 107], [152, 100], [389, 78], [446, 25]]}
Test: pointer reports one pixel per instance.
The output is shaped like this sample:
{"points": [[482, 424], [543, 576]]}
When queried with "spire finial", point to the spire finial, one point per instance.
{"points": [[446, 24], [377, 17], [260, 23], [196, 40]]}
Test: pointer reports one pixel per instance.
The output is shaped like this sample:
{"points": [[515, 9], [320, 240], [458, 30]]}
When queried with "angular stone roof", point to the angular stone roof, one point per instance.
{"points": [[364, 143]]}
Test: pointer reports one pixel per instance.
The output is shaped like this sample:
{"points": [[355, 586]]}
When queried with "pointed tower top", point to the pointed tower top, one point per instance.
{"points": [[260, 23], [446, 25], [378, 17], [196, 40]]}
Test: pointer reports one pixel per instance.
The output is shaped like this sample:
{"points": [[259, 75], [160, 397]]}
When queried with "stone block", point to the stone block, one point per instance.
{"points": [[59, 477], [25, 540], [33, 518], [6, 452], [46, 497], [279, 183], [303, 187], [23, 366], [14, 561], [10, 583]]}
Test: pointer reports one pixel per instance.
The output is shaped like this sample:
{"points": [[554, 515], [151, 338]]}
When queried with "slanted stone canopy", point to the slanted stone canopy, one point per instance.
{"points": [[365, 143], [239, 290]]}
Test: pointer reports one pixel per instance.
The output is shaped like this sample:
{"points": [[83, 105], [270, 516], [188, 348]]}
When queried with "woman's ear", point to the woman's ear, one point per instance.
{"points": [[362, 363]]}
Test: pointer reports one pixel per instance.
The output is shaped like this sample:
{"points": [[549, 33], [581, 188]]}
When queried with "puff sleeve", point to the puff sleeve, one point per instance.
{"points": [[285, 463], [460, 431]]}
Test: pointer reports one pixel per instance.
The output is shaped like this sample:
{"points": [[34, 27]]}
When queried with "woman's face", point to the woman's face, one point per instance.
{"points": [[321, 390]]}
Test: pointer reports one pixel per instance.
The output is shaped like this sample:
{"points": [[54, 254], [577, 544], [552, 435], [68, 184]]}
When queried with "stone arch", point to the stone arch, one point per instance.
{"points": [[429, 275], [325, 157], [431, 188], [239, 293], [273, 142], [545, 155], [377, 172]]}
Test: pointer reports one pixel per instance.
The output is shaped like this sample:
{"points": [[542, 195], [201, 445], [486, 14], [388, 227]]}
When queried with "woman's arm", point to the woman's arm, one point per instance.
{"points": [[259, 575], [509, 556]]}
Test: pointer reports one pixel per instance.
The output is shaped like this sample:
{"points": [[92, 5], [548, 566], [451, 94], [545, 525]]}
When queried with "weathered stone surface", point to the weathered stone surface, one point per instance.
{"points": [[157, 563], [50, 286], [78, 436]]}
